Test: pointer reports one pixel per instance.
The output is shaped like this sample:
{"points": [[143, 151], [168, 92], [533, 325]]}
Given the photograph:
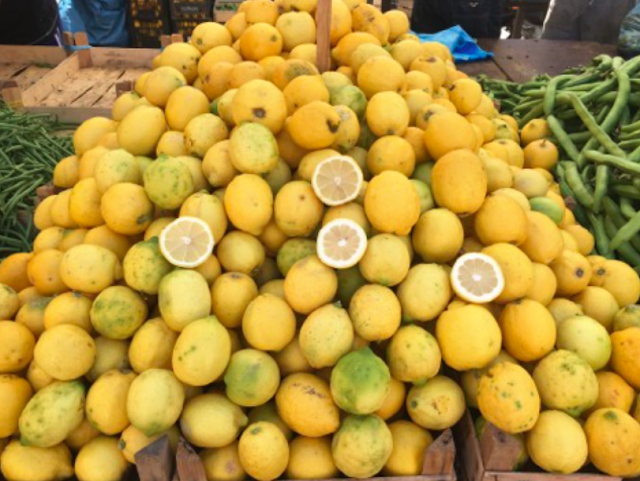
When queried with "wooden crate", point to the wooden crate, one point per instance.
{"points": [[23, 66], [84, 85], [157, 463], [491, 458], [225, 9], [191, 10]]}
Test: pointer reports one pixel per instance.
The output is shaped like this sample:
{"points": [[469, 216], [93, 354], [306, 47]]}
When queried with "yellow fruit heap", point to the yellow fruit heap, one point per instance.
{"points": [[390, 166]]}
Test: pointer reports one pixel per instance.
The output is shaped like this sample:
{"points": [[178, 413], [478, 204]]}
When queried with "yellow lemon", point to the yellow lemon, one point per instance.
{"points": [[410, 443], [566, 382], [155, 401], [516, 268], [268, 324], [508, 398], [305, 404], [212, 410], [106, 404], [413, 355], [263, 451], [529, 330], [557, 443], [458, 182], [223, 463], [469, 337], [437, 404], [490, 226], [614, 442], [152, 346]]}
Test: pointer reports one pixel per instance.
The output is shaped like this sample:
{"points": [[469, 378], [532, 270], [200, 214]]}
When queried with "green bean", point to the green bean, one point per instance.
{"points": [[587, 78], [580, 136], [614, 161], [534, 113], [631, 66], [599, 234], [550, 94], [626, 232], [600, 190], [627, 191], [617, 62], [632, 127], [629, 144], [525, 106], [626, 250], [603, 62], [563, 139], [597, 131], [580, 190], [626, 208], [597, 92]]}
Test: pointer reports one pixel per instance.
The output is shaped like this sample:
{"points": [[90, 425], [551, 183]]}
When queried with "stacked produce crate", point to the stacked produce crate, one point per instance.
{"points": [[148, 19], [406, 6], [225, 9], [187, 14]]}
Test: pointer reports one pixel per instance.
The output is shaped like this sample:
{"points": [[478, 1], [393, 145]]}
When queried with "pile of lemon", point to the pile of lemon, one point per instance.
{"points": [[280, 265]]}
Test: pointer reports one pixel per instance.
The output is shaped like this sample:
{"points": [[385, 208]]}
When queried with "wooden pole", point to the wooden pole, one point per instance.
{"points": [[323, 18]]}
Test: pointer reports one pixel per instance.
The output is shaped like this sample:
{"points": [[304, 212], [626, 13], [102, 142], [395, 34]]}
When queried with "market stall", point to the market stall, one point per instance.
{"points": [[306, 244]]}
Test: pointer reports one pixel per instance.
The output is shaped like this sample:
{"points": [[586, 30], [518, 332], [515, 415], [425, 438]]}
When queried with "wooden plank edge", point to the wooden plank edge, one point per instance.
{"points": [[70, 115], [156, 461], [32, 54], [472, 457], [323, 48]]}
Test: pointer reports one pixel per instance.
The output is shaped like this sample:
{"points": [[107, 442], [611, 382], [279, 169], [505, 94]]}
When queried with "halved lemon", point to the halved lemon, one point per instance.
{"points": [[186, 242], [341, 243], [477, 278], [337, 180]]}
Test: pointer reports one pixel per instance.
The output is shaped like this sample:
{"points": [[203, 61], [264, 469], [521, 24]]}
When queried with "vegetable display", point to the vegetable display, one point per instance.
{"points": [[29, 151], [593, 115]]}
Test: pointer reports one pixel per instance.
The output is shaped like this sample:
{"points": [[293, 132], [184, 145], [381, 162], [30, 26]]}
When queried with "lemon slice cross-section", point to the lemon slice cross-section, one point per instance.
{"points": [[341, 243], [186, 242], [477, 278], [337, 180]]}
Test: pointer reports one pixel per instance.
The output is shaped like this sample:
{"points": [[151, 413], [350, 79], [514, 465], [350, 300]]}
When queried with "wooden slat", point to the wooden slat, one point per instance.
{"points": [[104, 82], [129, 77], [28, 54], [156, 461], [58, 76], [123, 57], [10, 70], [485, 67], [65, 94], [188, 464], [523, 59], [30, 75], [72, 115], [323, 52]]}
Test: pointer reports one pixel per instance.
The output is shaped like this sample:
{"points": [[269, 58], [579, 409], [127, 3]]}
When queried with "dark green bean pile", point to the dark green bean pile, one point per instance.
{"points": [[29, 151], [594, 115]]}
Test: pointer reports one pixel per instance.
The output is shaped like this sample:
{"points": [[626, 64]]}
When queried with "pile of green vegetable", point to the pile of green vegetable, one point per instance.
{"points": [[593, 114], [29, 151]]}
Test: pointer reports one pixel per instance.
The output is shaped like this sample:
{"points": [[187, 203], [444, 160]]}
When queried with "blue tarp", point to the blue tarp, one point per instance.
{"points": [[462, 46], [105, 21]]}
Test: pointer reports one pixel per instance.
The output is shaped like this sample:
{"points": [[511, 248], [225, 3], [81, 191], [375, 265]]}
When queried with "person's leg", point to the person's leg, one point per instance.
{"points": [[563, 19]]}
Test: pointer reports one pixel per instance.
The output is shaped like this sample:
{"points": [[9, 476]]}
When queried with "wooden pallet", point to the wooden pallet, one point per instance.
{"points": [[25, 65], [492, 457], [82, 86], [156, 462]]}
